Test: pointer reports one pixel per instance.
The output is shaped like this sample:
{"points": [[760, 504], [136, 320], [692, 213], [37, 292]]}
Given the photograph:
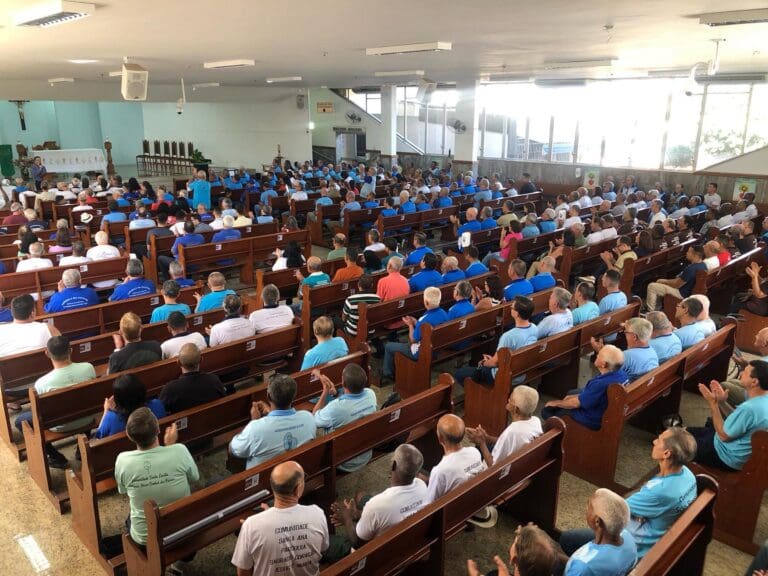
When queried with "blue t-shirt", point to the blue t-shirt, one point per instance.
{"points": [[612, 301], [469, 189], [689, 277], [454, 276], [317, 279], [547, 226], [161, 313], [323, 352], [424, 280], [690, 334], [184, 282], [656, 506], [530, 231], [266, 195], [114, 422], [132, 289], [488, 224], [555, 323], [423, 207], [115, 217], [343, 410], [443, 202], [416, 256], [475, 269], [71, 298], [666, 346], [407, 207], [201, 193], [471, 226], [323, 201], [460, 308], [542, 281], [748, 417], [226, 234], [212, 300], [273, 434], [603, 559], [587, 311], [639, 361], [517, 338], [593, 399], [5, 315], [481, 195], [433, 317], [186, 240], [519, 287]]}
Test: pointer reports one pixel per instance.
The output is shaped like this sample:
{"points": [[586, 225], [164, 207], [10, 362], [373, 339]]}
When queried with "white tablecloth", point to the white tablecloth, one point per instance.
{"points": [[80, 160]]}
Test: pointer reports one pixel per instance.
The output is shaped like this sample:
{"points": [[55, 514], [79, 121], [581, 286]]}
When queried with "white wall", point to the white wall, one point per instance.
{"points": [[323, 134]]}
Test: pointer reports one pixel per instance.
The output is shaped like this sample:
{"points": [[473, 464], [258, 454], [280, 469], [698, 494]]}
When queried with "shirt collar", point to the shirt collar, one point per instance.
{"points": [[278, 413]]}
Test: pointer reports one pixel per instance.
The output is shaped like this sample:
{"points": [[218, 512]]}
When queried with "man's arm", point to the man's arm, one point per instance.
{"points": [[714, 395], [569, 402]]}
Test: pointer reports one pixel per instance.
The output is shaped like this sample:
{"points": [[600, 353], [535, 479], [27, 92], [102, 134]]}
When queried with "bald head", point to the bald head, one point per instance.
{"points": [[610, 357], [471, 214], [189, 357], [450, 429], [287, 479]]}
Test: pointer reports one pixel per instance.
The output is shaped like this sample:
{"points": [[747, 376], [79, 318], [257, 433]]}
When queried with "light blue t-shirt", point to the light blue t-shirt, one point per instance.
{"points": [[343, 410], [555, 323], [212, 300], [638, 361], [161, 313], [587, 311], [656, 506], [323, 352], [748, 417], [603, 559], [666, 346], [517, 338], [612, 301], [275, 433], [690, 334]]}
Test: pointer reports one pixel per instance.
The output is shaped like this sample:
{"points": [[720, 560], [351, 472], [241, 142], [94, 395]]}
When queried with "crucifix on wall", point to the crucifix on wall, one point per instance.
{"points": [[20, 107]]}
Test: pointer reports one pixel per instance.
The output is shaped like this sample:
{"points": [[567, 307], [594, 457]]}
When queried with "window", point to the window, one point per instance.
{"points": [[757, 127], [682, 128], [722, 131]]}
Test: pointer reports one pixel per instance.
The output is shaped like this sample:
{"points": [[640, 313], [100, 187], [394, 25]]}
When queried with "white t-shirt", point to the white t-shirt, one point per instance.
{"points": [[453, 470], [515, 436], [283, 541], [609, 233], [595, 237], [172, 346], [230, 329], [271, 318], [16, 338], [33, 264], [103, 252], [376, 247], [85, 208], [178, 228], [217, 224], [712, 262], [390, 508], [571, 220], [69, 260]]}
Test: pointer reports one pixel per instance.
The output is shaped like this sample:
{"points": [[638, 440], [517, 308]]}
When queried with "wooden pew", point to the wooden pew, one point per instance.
{"points": [[526, 481], [317, 228], [748, 325], [209, 257], [658, 265], [286, 281], [484, 240], [357, 220], [218, 420], [520, 248], [259, 354], [216, 511], [683, 548]]}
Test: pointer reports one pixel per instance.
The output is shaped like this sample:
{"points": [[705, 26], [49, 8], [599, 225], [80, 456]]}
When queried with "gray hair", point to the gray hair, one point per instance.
{"points": [[408, 461], [464, 289], [396, 263], [704, 299], [270, 294], [228, 221], [658, 320], [577, 226], [134, 267], [613, 356], [681, 444], [612, 510], [175, 268], [525, 399], [562, 297], [532, 218], [641, 327], [548, 262], [36, 249], [433, 295], [451, 262], [71, 277]]}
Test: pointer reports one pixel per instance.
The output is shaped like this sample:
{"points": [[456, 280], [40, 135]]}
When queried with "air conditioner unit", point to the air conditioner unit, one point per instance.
{"points": [[134, 82], [426, 88], [733, 18], [50, 13]]}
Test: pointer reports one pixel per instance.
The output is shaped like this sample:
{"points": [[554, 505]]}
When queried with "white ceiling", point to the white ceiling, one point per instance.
{"points": [[324, 42]]}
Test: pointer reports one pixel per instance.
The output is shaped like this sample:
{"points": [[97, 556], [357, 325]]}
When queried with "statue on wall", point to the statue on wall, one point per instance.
{"points": [[20, 107]]}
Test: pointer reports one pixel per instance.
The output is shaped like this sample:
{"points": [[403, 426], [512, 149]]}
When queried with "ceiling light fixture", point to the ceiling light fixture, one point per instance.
{"points": [[593, 63], [387, 73], [52, 12], [241, 63], [53, 81], [283, 79], [734, 18], [205, 85], [83, 61], [409, 48]]}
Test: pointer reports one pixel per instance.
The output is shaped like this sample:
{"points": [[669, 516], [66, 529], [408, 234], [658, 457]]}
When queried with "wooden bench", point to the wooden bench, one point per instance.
{"points": [[748, 325], [208, 257], [526, 482], [189, 524], [657, 265], [356, 220], [217, 421], [527, 247], [317, 227], [286, 281]]}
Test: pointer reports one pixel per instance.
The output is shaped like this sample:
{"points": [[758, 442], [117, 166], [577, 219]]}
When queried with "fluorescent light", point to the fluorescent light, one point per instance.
{"points": [[594, 63], [243, 62], [733, 18], [52, 12], [60, 80], [206, 85], [83, 61], [115, 73], [387, 74], [284, 79], [409, 48]]}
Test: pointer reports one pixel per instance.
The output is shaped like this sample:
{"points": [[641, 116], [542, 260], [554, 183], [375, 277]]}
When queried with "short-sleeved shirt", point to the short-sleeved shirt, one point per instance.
{"points": [[542, 281], [666, 346], [391, 507], [230, 329], [454, 469], [393, 285], [416, 255], [133, 288], [690, 334], [656, 506], [343, 410], [424, 280], [275, 433], [748, 417], [603, 559], [475, 269], [212, 300], [689, 278], [71, 299], [271, 318], [191, 389], [460, 308], [593, 399], [161, 313], [316, 279], [17, 337], [639, 361], [555, 323], [326, 351], [351, 310], [612, 301], [519, 287], [517, 338], [282, 541], [515, 436], [172, 346], [587, 311], [433, 317], [114, 422], [707, 326], [454, 276], [64, 377], [623, 257]]}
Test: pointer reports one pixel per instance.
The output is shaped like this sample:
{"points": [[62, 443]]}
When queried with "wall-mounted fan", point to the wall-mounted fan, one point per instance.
{"points": [[353, 117], [458, 126]]}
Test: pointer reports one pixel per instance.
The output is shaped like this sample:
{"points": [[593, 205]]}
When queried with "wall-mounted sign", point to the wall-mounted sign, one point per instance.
{"points": [[591, 178], [743, 186], [325, 107]]}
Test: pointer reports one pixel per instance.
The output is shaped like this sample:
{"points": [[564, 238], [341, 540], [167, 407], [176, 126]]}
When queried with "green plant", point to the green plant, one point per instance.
{"points": [[198, 158]]}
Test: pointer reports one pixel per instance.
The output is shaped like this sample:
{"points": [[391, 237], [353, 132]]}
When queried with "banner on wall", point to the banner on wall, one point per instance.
{"points": [[743, 186], [591, 178], [325, 107]]}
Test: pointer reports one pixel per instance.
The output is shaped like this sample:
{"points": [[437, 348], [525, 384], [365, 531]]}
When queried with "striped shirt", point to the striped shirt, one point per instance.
{"points": [[351, 314]]}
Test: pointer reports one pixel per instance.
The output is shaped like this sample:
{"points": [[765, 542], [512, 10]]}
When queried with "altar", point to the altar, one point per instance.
{"points": [[74, 160]]}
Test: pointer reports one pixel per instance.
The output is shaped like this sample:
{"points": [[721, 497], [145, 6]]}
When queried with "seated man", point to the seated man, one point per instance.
{"points": [[130, 350], [316, 278], [523, 428], [259, 551], [614, 297], [339, 247], [544, 279], [71, 295], [663, 338], [189, 238], [519, 285], [394, 284], [233, 327], [586, 309], [65, 373], [434, 316], [726, 442], [328, 347], [178, 327], [532, 548], [706, 323], [152, 472], [24, 334], [420, 248], [272, 315], [458, 464], [428, 276], [228, 232], [193, 387], [462, 295], [356, 402], [351, 271], [690, 332], [217, 284], [170, 292], [639, 357], [560, 318], [682, 285], [35, 260], [349, 314], [474, 267], [274, 428], [451, 270], [588, 405], [134, 284]]}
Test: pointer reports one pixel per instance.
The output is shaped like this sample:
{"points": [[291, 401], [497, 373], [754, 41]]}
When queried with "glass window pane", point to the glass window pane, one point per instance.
{"points": [[682, 128], [538, 137], [515, 137], [401, 117], [374, 104], [722, 132], [757, 130], [435, 131], [494, 133]]}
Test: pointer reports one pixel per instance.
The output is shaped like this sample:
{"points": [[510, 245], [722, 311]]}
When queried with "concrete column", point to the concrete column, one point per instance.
{"points": [[389, 125], [468, 143]]}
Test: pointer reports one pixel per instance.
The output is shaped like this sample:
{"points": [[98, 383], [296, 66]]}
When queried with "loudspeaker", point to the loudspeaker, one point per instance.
{"points": [[426, 87], [134, 82]]}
